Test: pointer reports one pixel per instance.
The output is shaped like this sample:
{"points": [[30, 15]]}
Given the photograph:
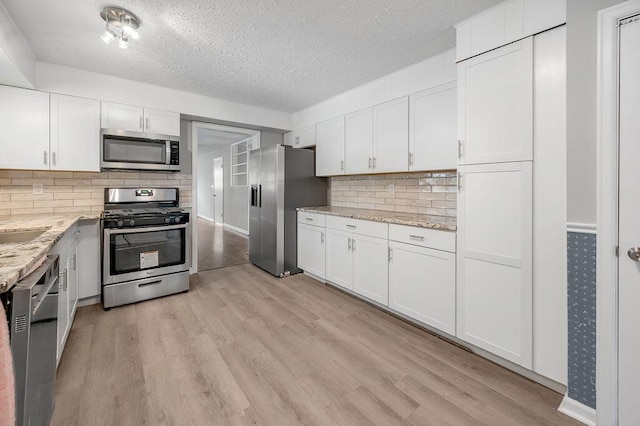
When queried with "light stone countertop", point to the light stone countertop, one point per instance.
{"points": [[409, 219], [17, 260]]}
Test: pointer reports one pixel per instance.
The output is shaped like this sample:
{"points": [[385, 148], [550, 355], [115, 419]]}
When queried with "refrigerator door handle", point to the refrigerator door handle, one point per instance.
{"points": [[259, 195]]}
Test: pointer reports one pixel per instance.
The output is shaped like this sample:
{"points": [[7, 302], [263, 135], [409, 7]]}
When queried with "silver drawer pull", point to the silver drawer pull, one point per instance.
{"points": [[309, 219], [416, 237], [351, 226]]}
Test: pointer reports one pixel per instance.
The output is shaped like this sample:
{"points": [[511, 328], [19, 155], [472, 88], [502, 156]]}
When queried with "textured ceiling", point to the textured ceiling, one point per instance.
{"points": [[280, 54]]}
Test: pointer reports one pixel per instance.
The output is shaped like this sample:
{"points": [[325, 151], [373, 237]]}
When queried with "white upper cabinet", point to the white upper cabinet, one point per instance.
{"points": [[505, 23], [137, 119], [161, 122], [494, 264], [75, 133], [359, 141], [432, 129], [391, 136], [122, 117], [330, 147], [304, 137], [24, 129], [495, 105]]}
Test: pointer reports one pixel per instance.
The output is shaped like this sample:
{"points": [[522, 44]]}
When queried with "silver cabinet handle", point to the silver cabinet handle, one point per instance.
{"points": [[634, 254], [147, 122], [53, 157], [141, 123], [459, 149], [416, 237], [353, 244], [349, 244], [459, 182], [45, 158], [410, 159], [322, 237], [297, 140], [370, 159], [390, 254], [342, 165], [374, 162], [309, 219], [351, 226]]}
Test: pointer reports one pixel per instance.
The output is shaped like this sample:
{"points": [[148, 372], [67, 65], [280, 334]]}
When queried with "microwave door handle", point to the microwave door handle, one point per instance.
{"points": [[167, 155]]}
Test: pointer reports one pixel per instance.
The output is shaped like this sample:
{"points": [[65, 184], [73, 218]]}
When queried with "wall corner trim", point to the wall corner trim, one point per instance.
{"points": [[235, 229], [582, 228], [578, 411]]}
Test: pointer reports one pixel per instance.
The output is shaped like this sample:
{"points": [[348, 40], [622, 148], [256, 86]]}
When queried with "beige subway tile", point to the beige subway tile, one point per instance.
{"points": [[71, 195], [85, 188], [366, 206], [72, 182], [444, 189], [336, 204], [94, 195], [385, 207], [90, 202], [436, 212], [432, 196], [90, 175], [15, 189], [97, 209], [444, 204], [407, 209], [30, 181], [382, 194], [53, 189], [419, 203], [186, 182], [5, 181], [350, 205], [452, 196], [16, 174], [176, 176], [107, 182], [52, 175], [155, 176], [138, 182], [31, 197], [18, 205], [407, 195], [5, 197], [124, 175], [452, 212], [373, 200], [66, 209], [5, 212], [32, 211], [53, 203]]}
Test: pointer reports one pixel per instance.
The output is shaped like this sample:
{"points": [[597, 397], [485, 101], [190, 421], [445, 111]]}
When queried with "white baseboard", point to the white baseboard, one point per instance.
{"points": [[234, 229], [207, 218], [582, 228], [578, 411], [93, 300]]}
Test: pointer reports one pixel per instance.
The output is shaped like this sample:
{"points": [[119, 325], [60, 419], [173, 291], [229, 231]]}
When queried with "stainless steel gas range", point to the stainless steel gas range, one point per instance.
{"points": [[146, 246]]}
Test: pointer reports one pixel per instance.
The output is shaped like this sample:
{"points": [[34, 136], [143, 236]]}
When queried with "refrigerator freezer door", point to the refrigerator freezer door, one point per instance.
{"points": [[271, 210]]}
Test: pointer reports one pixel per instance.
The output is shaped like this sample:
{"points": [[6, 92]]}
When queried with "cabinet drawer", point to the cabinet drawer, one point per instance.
{"points": [[432, 238], [316, 219], [357, 226]]}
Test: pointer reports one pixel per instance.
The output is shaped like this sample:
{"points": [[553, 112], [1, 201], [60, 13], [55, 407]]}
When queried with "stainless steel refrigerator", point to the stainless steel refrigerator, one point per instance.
{"points": [[282, 178]]}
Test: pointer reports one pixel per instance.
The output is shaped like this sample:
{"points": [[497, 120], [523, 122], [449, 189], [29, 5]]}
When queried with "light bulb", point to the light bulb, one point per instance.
{"points": [[108, 36], [130, 31], [123, 42]]}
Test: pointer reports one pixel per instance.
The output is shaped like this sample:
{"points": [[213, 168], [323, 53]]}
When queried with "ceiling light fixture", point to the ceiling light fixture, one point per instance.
{"points": [[123, 20]]}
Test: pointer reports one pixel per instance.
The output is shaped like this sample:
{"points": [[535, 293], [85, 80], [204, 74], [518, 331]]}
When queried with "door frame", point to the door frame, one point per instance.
{"points": [[607, 210], [215, 184]]}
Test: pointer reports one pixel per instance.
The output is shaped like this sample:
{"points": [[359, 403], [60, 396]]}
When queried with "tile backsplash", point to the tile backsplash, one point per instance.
{"points": [[432, 193], [70, 192]]}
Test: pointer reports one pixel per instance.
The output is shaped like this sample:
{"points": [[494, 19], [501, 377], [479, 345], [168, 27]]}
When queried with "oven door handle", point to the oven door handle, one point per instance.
{"points": [[110, 231]]}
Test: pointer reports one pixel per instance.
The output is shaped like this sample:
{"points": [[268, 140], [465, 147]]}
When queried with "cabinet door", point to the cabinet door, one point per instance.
{"points": [[305, 137], [494, 296], [359, 141], [370, 267], [63, 303], [330, 147], [432, 129], [311, 252], [422, 285], [72, 279], [495, 105], [288, 138], [122, 117], [24, 129], [161, 122], [339, 265], [75, 133], [88, 263], [391, 136]]}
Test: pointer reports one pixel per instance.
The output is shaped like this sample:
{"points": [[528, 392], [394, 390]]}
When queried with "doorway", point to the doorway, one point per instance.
{"points": [[221, 206]]}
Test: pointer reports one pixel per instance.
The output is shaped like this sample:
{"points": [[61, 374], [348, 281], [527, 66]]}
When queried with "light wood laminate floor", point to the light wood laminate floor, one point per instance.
{"points": [[218, 247], [243, 347]]}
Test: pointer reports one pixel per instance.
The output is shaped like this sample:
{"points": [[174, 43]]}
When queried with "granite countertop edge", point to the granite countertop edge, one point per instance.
{"points": [[418, 220], [17, 260]]}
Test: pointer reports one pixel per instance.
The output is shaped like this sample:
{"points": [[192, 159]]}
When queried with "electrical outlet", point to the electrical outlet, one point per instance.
{"points": [[392, 188], [38, 189]]}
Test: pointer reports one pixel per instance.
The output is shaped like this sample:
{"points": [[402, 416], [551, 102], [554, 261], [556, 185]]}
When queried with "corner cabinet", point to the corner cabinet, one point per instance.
{"points": [[24, 129], [138, 119], [330, 142]]}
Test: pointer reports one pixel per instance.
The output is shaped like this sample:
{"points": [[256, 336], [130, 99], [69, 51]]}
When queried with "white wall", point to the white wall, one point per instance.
{"points": [[205, 180], [71, 81], [432, 72], [582, 33], [17, 62]]}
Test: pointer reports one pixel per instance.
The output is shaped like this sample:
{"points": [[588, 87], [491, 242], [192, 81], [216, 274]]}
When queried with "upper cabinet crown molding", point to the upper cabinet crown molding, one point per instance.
{"points": [[138, 119], [505, 23]]}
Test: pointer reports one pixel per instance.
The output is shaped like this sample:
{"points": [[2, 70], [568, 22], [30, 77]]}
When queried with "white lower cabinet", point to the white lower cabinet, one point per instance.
{"points": [[338, 253], [369, 257], [422, 284], [311, 251]]}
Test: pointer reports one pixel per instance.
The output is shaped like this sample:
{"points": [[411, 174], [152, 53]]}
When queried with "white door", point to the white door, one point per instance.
{"points": [[370, 267], [629, 226], [359, 141], [391, 136], [433, 138], [218, 191], [494, 267], [75, 133], [422, 285], [495, 105], [161, 122], [311, 252], [24, 129], [330, 147], [122, 117], [338, 257]]}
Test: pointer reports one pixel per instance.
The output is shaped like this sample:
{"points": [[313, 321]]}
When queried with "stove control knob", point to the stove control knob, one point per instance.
{"points": [[178, 219], [119, 223], [132, 222], [167, 220]]}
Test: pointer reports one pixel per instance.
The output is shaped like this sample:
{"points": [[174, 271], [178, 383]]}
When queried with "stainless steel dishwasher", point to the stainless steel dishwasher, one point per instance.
{"points": [[33, 313]]}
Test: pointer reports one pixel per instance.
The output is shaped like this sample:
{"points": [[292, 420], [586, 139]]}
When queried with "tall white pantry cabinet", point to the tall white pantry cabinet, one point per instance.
{"points": [[511, 278]]}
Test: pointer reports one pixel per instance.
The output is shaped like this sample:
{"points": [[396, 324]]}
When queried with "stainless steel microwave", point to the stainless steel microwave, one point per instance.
{"points": [[124, 150]]}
